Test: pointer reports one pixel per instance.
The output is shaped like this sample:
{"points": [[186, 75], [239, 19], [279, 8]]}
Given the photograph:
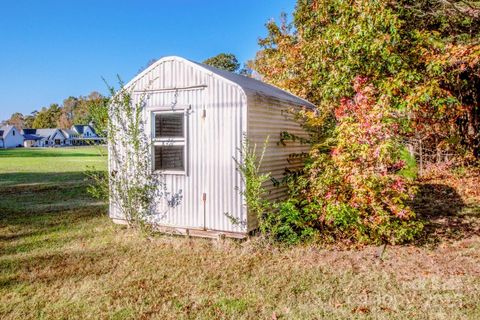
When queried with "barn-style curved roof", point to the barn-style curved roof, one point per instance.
{"points": [[254, 86], [249, 85]]}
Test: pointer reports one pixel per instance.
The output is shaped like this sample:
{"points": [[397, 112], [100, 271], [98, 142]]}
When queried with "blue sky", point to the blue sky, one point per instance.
{"points": [[54, 49]]}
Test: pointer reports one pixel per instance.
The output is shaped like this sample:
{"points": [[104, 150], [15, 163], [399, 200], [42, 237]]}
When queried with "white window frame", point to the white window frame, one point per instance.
{"points": [[169, 141]]}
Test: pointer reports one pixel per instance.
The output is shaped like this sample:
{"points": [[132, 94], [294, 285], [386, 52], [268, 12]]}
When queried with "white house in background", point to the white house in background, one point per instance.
{"points": [[196, 117], [44, 138], [77, 135], [10, 137], [30, 140], [82, 135]]}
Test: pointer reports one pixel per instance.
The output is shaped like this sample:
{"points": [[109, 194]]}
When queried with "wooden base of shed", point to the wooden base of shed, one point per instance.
{"points": [[193, 232]]}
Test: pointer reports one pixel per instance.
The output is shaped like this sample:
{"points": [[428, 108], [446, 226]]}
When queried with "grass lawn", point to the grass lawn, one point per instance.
{"points": [[61, 257]]}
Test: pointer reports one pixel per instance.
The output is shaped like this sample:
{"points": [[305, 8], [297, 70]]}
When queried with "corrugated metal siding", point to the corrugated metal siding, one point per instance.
{"points": [[268, 117], [222, 140], [212, 143]]}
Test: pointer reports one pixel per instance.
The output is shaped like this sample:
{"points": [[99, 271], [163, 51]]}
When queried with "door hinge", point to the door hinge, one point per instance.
{"points": [[204, 113]]}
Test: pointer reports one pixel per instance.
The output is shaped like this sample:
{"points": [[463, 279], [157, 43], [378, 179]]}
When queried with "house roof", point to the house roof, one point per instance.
{"points": [[4, 130], [29, 131], [46, 133], [80, 128], [33, 137], [69, 132], [250, 86], [42, 133]]}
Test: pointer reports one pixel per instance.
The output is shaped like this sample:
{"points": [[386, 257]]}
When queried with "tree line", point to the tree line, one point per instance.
{"points": [[73, 110]]}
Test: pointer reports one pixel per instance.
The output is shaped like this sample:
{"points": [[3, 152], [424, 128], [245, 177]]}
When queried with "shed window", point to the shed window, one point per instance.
{"points": [[169, 158], [169, 125], [169, 141]]}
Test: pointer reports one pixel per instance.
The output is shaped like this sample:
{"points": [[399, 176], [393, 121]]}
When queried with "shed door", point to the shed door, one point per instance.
{"points": [[222, 136], [174, 124]]}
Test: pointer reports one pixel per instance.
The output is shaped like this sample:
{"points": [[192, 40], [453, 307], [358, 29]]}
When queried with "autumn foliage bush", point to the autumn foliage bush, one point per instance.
{"points": [[356, 190], [385, 76], [364, 181]]}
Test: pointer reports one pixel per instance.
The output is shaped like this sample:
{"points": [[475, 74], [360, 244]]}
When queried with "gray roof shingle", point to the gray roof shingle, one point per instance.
{"points": [[42, 133]]}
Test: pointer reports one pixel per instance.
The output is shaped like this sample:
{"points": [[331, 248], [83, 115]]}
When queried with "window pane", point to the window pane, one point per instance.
{"points": [[169, 158], [169, 125]]}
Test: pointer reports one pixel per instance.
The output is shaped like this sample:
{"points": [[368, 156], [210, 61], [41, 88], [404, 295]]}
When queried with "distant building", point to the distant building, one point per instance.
{"points": [[53, 137], [82, 135], [43, 137], [31, 140], [10, 137]]}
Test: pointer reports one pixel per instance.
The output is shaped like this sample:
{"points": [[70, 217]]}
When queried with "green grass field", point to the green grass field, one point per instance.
{"points": [[62, 258]]}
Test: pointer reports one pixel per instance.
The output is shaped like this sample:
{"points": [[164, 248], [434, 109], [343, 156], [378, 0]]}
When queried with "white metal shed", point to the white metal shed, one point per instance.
{"points": [[209, 111]]}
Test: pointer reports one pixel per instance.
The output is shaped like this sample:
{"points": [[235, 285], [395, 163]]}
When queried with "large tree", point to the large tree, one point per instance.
{"points": [[17, 120], [454, 20], [47, 117], [454, 66], [81, 111], [98, 113], [382, 73], [29, 119], [421, 55], [224, 61], [68, 110]]}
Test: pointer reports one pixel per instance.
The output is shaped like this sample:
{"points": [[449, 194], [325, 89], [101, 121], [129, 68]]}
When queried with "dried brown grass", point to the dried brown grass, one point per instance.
{"points": [[98, 270]]}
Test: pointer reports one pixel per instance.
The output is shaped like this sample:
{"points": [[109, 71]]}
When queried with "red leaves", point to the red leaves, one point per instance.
{"points": [[367, 156], [344, 108], [398, 185], [399, 165]]}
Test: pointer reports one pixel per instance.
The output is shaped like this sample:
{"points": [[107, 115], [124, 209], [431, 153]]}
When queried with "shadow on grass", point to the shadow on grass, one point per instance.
{"points": [[41, 213], [36, 193], [446, 215], [56, 266], [23, 181], [26, 233], [45, 235], [17, 182]]}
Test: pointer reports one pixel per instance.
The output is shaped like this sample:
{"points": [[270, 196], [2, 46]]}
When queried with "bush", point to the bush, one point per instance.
{"points": [[97, 181], [287, 221], [367, 176], [290, 223], [355, 193]]}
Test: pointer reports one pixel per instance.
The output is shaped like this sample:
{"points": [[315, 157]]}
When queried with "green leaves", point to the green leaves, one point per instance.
{"points": [[410, 169], [360, 186], [47, 117], [253, 180], [224, 61], [135, 189]]}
